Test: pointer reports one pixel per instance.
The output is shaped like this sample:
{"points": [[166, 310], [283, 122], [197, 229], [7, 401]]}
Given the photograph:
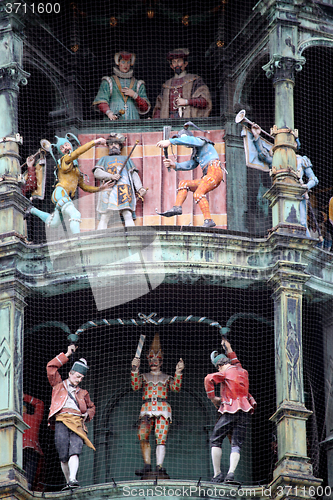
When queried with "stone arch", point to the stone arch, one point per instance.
{"points": [[249, 75]]}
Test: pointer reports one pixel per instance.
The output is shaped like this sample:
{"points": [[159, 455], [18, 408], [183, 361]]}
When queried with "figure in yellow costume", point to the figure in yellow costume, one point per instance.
{"points": [[69, 178], [155, 411]]}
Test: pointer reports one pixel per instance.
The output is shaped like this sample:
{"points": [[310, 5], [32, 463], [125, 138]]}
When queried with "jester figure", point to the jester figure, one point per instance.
{"points": [[203, 154], [155, 411], [69, 177]]}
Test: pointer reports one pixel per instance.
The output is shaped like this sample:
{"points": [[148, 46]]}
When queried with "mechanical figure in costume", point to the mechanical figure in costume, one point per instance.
{"points": [[121, 196], [121, 96], [203, 154], [304, 167], [69, 178], [235, 405], [185, 95], [32, 451], [155, 411], [71, 408]]}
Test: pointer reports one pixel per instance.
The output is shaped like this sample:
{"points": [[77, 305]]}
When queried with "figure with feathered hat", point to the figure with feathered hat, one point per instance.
{"points": [[185, 94], [121, 96], [203, 154], [235, 404], [155, 411], [71, 408], [69, 177], [121, 171]]}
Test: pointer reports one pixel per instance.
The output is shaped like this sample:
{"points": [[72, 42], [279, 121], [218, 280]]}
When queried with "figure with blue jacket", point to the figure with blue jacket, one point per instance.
{"points": [[304, 168], [203, 154]]}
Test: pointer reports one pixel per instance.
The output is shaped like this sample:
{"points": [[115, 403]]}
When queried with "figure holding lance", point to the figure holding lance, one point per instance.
{"points": [[121, 172]]}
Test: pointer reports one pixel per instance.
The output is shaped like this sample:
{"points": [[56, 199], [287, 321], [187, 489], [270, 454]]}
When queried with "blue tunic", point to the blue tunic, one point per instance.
{"points": [[122, 195], [203, 152]]}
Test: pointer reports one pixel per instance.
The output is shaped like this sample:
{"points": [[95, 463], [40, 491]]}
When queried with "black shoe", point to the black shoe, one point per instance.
{"points": [[229, 478], [73, 484], [160, 469], [208, 223], [145, 470], [218, 479], [161, 472], [170, 213], [27, 213]]}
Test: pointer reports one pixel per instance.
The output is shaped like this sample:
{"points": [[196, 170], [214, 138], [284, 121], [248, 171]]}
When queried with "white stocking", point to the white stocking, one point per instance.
{"points": [[234, 459], [73, 464], [216, 459], [65, 470], [127, 216], [160, 454], [103, 223]]}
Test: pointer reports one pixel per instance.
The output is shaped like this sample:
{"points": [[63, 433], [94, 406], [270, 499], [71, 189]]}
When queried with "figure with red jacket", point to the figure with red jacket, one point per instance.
{"points": [[33, 410], [235, 404], [71, 408]]}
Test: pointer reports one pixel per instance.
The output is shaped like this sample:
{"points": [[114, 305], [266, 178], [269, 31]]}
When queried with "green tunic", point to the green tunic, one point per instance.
{"points": [[110, 94]]}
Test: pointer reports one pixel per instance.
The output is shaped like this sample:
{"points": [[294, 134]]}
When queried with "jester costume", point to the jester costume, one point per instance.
{"points": [[69, 178], [155, 411]]}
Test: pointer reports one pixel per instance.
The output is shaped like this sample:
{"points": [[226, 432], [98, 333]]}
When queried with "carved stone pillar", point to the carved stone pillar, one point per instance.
{"points": [[12, 229], [12, 426], [293, 470], [11, 76], [286, 193]]}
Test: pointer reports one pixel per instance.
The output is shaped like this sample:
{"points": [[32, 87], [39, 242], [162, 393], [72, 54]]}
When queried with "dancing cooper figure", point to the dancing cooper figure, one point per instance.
{"points": [[235, 405]]}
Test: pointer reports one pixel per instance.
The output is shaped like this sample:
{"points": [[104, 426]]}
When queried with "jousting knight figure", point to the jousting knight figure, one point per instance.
{"points": [[69, 177], [123, 173], [155, 411], [203, 154]]}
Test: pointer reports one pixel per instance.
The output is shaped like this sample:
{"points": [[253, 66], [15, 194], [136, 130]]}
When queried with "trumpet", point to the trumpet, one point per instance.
{"points": [[45, 147], [241, 118]]}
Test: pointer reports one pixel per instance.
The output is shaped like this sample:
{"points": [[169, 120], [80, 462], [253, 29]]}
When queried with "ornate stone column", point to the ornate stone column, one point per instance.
{"points": [[293, 474], [11, 76], [286, 193], [12, 229]]}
